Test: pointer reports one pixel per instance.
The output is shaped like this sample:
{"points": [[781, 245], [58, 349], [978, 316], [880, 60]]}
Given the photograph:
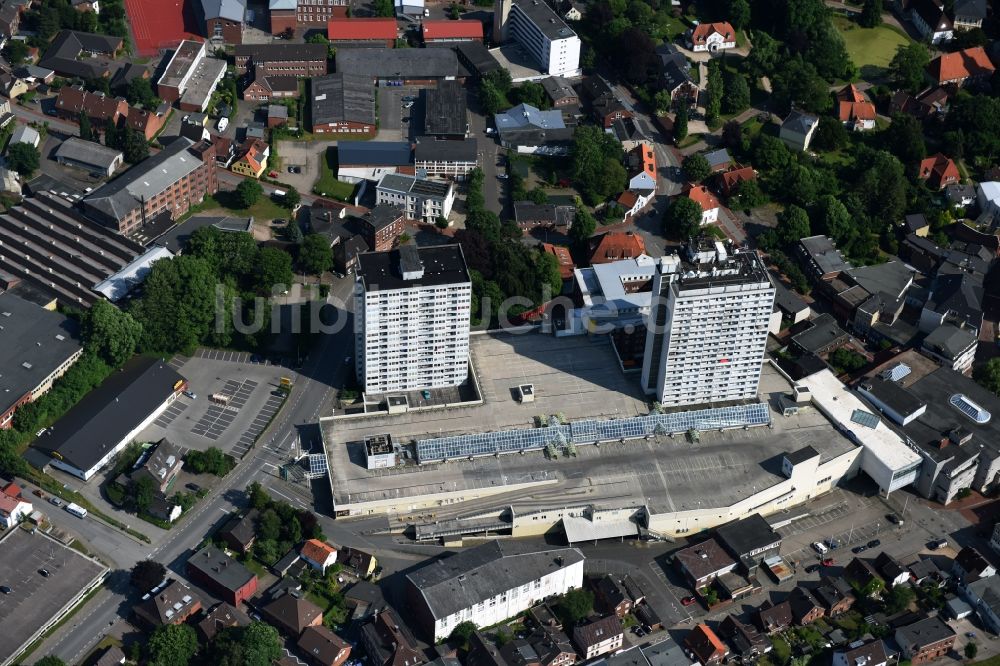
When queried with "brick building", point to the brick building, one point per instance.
{"points": [[343, 104], [363, 32], [225, 19], [167, 183], [302, 60], [100, 109], [221, 575]]}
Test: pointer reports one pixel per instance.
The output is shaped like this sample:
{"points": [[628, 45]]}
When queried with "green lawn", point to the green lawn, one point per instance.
{"points": [[873, 47], [327, 183], [264, 209]]}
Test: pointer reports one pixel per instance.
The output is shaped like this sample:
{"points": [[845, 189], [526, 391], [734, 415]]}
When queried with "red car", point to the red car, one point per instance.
{"points": [[828, 562], [272, 174], [687, 601]]}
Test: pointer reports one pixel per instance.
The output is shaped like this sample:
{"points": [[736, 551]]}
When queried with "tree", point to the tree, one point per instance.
{"points": [[112, 136], [86, 133], [547, 269], [662, 102], [11, 462], [140, 494], [696, 168], [714, 91], [737, 97], [971, 650], [315, 255], [50, 660], [257, 644], [274, 269], [293, 232], [463, 632], [210, 461], [799, 184], [847, 361], [967, 39], [738, 13], [747, 195], [765, 55], [830, 134], [247, 193], [988, 375], [904, 138], [793, 225], [147, 574], [575, 605], [110, 333], [583, 227], [530, 93], [771, 153], [383, 8], [596, 163], [871, 14], [292, 198], [830, 217], [134, 146], [682, 219], [140, 92], [681, 122], [491, 99], [15, 51], [899, 598], [258, 497], [178, 306], [797, 83], [906, 69], [23, 158], [172, 645]]}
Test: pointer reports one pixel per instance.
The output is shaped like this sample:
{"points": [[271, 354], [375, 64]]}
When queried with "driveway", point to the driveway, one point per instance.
{"points": [[306, 155]]}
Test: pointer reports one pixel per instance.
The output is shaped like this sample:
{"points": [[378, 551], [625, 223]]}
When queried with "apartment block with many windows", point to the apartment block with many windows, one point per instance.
{"points": [[543, 34], [707, 328], [420, 199], [412, 309]]}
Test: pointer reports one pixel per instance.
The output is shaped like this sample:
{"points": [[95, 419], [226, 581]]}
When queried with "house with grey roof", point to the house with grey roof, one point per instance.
{"points": [[526, 129], [969, 14], [72, 54], [25, 134], [984, 596], [342, 104], [97, 160], [392, 65], [447, 159], [223, 19], [420, 199], [821, 257], [489, 584], [952, 346], [955, 298], [797, 130]]}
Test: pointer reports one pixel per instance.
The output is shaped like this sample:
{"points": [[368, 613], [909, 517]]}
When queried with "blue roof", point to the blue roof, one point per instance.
{"points": [[526, 115], [374, 153]]}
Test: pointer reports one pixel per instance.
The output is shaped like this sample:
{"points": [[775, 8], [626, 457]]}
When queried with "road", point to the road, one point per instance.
{"points": [[313, 386]]}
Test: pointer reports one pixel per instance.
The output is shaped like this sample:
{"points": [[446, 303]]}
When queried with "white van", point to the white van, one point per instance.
{"points": [[76, 510], [222, 124], [820, 548]]}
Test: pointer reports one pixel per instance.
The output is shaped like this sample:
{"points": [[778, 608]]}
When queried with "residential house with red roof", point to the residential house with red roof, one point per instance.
{"points": [[451, 31], [854, 109], [322, 647], [704, 198], [705, 645], [642, 167], [939, 171], [615, 246], [562, 255], [147, 123], [962, 68], [633, 201], [99, 107], [318, 555], [13, 505], [711, 37], [292, 614], [730, 180], [362, 32], [253, 161]]}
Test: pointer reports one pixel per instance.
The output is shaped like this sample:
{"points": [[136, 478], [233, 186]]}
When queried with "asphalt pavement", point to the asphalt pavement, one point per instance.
{"points": [[312, 390]]}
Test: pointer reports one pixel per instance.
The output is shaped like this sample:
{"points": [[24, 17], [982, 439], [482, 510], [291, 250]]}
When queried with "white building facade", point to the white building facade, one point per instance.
{"points": [[422, 199], [707, 328], [541, 32], [412, 308]]}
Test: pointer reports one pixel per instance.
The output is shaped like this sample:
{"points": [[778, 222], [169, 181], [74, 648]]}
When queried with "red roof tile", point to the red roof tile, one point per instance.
{"points": [[705, 30], [856, 111], [361, 29], [961, 65], [736, 175], [445, 29], [564, 258], [700, 195], [618, 245], [939, 171]]}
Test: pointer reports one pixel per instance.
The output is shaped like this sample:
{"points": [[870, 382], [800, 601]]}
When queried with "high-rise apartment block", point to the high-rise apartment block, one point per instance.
{"points": [[707, 328], [541, 32], [412, 309]]}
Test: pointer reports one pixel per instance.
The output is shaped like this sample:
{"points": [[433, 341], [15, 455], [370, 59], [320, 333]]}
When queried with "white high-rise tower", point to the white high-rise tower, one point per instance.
{"points": [[707, 327]]}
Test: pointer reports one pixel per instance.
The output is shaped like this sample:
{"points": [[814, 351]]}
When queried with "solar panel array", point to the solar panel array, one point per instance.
{"points": [[317, 465], [589, 431], [864, 418]]}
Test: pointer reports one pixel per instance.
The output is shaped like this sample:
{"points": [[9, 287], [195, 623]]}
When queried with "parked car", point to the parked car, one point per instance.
{"points": [[55, 501], [193, 487], [812, 568], [272, 174], [970, 634], [820, 548], [874, 543], [938, 544], [408, 98], [687, 601], [5, 589], [38, 493], [191, 394], [894, 519], [44, 572], [859, 549], [832, 543], [828, 562]]}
